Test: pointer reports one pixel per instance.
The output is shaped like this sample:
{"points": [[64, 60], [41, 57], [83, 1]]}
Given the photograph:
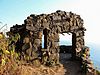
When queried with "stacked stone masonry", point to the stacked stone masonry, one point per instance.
{"points": [[49, 25]]}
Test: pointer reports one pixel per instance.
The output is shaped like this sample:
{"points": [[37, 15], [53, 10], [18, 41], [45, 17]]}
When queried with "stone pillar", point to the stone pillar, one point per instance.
{"points": [[54, 48], [77, 43], [73, 45], [51, 48], [36, 47]]}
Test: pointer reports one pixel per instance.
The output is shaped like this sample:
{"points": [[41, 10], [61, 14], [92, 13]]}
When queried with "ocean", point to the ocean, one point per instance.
{"points": [[95, 54]]}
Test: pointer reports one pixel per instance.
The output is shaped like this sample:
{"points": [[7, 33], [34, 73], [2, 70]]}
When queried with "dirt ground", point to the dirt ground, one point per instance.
{"points": [[71, 67], [66, 67]]}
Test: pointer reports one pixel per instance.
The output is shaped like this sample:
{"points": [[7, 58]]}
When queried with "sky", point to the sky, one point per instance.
{"points": [[16, 11]]}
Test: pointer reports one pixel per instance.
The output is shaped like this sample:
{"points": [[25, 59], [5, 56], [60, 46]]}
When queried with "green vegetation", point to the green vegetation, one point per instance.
{"points": [[7, 48], [8, 56], [11, 65]]}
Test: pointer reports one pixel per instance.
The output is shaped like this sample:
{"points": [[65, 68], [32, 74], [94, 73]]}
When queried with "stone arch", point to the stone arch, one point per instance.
{"points": [[51, 25]]}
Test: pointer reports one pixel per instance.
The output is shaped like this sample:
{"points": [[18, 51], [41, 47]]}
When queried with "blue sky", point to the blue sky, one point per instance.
{"points": [[16, 11]]}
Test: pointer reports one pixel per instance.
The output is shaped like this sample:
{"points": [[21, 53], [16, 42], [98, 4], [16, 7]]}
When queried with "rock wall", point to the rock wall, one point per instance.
{"points": [[49, 25]]}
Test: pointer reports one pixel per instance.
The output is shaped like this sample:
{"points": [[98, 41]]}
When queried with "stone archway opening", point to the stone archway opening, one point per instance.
{"points": [[65, 43], [65, 39]]}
